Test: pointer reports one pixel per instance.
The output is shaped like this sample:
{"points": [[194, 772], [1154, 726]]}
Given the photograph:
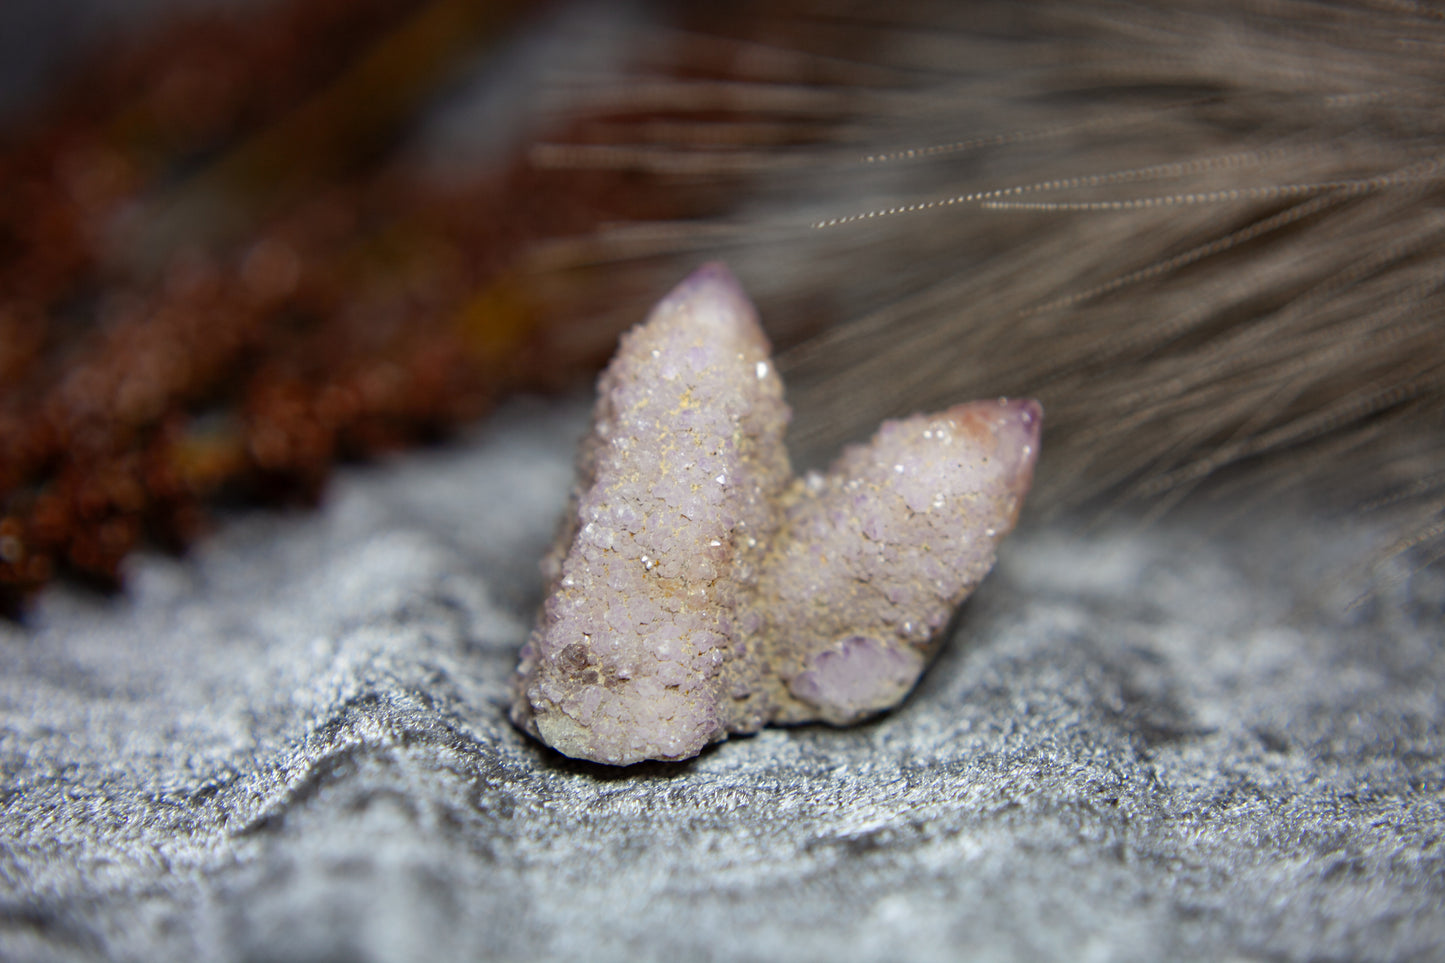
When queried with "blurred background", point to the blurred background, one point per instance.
{"points": [[244, 240]]}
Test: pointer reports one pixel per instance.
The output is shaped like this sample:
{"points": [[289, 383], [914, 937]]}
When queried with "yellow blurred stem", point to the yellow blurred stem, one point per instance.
{"points": [[496, 320]]}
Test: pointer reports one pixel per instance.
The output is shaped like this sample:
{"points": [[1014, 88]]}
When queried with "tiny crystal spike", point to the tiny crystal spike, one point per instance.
{"points": [[697, 589], [873, 558], [638, 654]]}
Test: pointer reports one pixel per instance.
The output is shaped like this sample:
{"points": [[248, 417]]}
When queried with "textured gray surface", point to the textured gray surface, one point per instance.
{"points": [[293, 746]]}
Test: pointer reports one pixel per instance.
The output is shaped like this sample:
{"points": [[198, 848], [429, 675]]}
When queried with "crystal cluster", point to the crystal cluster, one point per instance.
{"points": [[697, 588]]}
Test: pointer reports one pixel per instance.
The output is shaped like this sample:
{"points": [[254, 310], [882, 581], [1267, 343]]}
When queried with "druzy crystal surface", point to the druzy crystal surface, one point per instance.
{"points": [[697, 588]]}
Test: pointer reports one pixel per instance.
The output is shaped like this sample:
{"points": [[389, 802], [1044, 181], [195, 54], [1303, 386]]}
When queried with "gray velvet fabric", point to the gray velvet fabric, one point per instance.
{"points": [[1168, 743]]}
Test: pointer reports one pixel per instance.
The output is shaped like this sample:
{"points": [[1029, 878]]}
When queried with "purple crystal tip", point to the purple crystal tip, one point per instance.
{"points": [[1012, 427]]}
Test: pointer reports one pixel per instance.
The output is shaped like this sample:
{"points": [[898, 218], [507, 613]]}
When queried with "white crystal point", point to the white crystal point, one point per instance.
{"points": [[697, 589], [638, 654]]}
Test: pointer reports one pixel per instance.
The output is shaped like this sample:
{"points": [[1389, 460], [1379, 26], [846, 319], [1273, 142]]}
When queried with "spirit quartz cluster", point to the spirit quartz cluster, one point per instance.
{"points": [[697, 588]]}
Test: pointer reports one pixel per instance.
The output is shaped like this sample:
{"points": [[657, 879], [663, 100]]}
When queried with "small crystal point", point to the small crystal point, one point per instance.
{"points": [[698, 589]]}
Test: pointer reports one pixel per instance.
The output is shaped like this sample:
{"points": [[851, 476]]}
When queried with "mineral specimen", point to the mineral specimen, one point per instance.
{"points": [[698, 589]]}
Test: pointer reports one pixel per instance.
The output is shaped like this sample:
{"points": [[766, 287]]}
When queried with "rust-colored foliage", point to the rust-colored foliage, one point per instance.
{"points": [[214, 283]]}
